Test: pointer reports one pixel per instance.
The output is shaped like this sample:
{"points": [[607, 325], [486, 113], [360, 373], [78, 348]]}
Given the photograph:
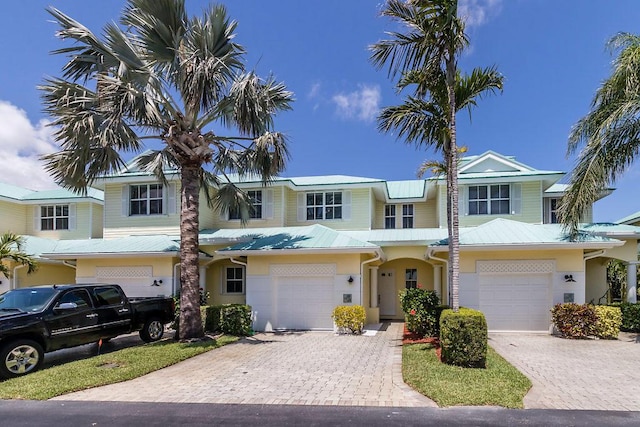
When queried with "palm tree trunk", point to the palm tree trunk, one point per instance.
{"points": [[190, 317], [454, 241]]}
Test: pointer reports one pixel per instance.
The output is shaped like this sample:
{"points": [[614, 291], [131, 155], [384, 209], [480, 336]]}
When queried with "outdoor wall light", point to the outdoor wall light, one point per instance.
{"points": [[350, 279], [157, 282], [569, 278]]}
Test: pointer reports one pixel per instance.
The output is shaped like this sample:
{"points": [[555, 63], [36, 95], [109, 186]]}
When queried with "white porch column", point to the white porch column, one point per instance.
{"points": [[373, 287], [437, 280], [203, 277], [632, 282]]}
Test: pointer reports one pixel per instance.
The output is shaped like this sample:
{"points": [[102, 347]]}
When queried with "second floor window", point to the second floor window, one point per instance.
{"points": [[389, 216], [489, 199], [407, 216], [145, 199], [327, 205], [256, 203], [54, 217]]}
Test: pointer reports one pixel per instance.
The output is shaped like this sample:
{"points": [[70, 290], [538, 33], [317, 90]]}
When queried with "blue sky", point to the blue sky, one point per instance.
{"points": [[552, 54]]}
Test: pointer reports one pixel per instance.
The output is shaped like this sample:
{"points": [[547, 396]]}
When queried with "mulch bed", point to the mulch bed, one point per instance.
{"points": [[413, 338]]}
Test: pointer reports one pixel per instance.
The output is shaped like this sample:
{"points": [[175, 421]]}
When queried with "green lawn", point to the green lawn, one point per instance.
{"points": [[105, 369], [499, 384]]}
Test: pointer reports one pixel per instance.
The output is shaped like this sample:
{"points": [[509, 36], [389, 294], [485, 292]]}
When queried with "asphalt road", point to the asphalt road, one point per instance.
{"points": [[60, 413]]}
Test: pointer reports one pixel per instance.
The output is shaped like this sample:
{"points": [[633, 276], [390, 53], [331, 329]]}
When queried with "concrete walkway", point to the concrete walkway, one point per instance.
{"points": [[575, 374], [299, 368]]}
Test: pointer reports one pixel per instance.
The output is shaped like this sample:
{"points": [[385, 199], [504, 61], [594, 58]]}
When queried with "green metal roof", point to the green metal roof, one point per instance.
{"points": [[611, 229], [124, 245], [634, 217], [36, 246], [410, 189], [309, 237], [393, 237], [505, 232], [24, 194]]}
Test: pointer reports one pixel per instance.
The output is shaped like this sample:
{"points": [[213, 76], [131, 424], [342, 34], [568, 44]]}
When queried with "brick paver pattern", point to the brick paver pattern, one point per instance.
{"points": [[575, 374], [300, 368]]}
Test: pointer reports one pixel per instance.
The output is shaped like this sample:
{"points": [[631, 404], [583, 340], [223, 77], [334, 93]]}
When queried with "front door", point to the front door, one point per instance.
{"points": [[387, 294]]}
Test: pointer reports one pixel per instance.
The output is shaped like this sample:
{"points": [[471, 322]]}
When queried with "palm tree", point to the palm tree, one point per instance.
{"points": [[11, 250], [609, 134], [426, 56], [167, 77]]}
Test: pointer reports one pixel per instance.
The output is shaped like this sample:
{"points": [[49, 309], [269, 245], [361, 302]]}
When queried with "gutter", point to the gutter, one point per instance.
{"points": [[595, 254], [15, 276], [298, 251]]}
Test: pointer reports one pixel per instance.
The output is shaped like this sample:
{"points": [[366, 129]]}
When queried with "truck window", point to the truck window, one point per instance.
{"points": [[78, 296], [107, 295]]}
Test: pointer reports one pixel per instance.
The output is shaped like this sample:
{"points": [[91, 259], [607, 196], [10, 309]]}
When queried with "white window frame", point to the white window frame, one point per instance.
{"points": [[256, 202], [408, 215], [322, 205], [146, 200], [488, 200], [389, 217], [228, 278], [57, 214], [411, 278]]}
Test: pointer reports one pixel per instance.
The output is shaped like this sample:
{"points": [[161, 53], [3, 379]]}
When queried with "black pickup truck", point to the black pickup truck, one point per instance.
{"points": [[47, 318]]}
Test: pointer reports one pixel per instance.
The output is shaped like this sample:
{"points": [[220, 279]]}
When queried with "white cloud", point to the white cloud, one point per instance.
{"points": [[478, 12], [314, 91], [362, 104], [21, 145]]}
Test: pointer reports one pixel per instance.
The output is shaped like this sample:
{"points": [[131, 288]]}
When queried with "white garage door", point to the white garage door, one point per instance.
{"points": [[304, 302], [516, 295]]}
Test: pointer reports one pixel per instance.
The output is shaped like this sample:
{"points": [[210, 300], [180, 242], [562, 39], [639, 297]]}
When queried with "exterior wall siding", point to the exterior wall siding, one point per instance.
{"points": [[14, 217], [274, 221], [85, 226], [47, 274], [531, 208], [360, 212], [424, 214]]}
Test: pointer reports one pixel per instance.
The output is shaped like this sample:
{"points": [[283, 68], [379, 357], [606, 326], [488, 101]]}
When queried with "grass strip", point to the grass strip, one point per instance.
{"points": [[498, 384], [110, 368]]}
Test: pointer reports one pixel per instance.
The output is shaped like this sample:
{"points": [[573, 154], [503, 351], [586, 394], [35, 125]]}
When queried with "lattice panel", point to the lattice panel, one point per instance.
{"points": [[131, 272], [303, 270], [539, 266]]}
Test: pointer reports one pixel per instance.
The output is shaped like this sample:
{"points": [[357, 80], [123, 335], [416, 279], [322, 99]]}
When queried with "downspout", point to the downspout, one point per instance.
{"points": [[68, 264], [367, 261], [595, 254], [15, 275], [446, 263]]}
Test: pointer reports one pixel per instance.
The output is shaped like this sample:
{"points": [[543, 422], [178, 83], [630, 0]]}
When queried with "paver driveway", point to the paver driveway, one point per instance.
{"points": [[309, 368], [575, 374]]}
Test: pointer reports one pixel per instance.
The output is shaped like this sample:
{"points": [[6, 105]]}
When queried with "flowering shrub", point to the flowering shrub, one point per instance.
{"points": [[420, 307], [349, 318]]}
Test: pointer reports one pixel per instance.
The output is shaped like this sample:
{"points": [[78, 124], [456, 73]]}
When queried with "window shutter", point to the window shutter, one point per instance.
{"points": [[516, 199], [346, 204], [463, 200], [546, 210], [72, 216], [171, 199], [267, 201], [125, 200], [302, 207], [36, 218]]}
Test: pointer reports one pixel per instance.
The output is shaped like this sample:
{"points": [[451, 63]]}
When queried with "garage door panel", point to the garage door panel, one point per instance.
{"points": [[515, 301], [304, 302]]}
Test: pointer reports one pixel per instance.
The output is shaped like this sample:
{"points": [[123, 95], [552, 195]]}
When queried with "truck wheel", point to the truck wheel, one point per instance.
{"points": [[152, 330], [20, 357]]}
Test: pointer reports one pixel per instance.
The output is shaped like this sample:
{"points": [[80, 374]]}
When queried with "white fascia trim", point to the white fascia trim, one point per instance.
{"points": [[506, 178], [336, 186], [528, 246], [113, 255], [272, 252], [62, 201]]}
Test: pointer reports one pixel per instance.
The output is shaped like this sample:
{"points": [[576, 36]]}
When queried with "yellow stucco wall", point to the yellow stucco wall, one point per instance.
{"points": [[215, 284], [14, 217], [399, 266], [627, 252], [596, 279], [395, 252], [47, 274], [566, 260]]}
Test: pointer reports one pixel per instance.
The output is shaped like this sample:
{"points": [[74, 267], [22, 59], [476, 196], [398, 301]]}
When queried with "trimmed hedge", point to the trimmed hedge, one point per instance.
{"points": [[420, 307], [349, 318], [463, 338], [233, 319], [585, 320], [609, 320], [630, 317]]}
